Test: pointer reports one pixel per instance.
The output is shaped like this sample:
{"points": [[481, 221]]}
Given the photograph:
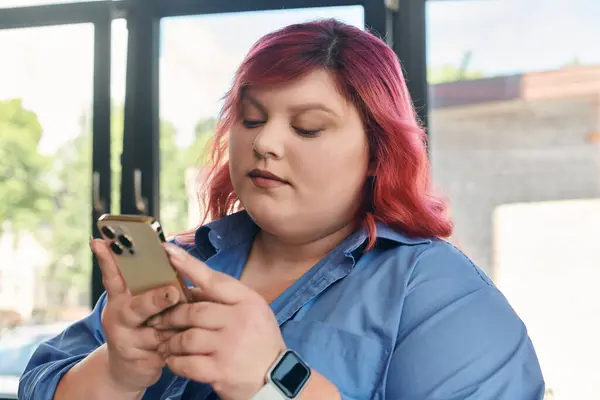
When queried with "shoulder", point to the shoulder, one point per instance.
{"points": [[439, 259], [418, 258], [422, 264], [439, 294], [434, 277], [456, 324], [409, 282]]}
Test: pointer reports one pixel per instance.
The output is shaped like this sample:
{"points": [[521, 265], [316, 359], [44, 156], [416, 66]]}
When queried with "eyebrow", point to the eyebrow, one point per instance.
{"points": [[313, 106], [254, 102], [300, 108]]}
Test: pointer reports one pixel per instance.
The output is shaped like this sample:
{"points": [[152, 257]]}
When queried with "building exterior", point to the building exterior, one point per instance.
{"points": [[525, 138], [519, 159]]}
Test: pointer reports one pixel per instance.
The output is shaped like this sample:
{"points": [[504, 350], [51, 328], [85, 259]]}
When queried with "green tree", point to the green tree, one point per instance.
{"points": [[25, 195], [204, 126], [175, 162], [449, 73], [203, 133], [173, 195], [70, 266], [574, 62], [452, 73]]}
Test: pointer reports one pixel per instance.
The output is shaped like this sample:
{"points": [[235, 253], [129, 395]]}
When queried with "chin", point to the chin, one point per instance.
{"points": [[271, 218]]}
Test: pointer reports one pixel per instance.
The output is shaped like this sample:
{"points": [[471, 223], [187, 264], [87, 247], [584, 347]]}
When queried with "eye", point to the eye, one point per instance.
{"points": [[308, 133], [252, 123]]}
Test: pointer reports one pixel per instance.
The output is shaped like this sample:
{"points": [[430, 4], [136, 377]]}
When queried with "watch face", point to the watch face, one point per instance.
{"points": [[291, 374]]}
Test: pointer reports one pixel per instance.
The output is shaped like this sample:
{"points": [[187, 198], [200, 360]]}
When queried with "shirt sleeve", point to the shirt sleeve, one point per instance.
{"points": [[53, 358], [459, 338]]}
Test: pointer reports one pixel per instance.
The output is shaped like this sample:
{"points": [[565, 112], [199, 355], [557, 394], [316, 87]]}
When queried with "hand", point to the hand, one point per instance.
{"points": [[230, 339], [134, 362]]}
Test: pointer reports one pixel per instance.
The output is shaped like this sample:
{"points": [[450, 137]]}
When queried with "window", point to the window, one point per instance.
{"points": [[515, 144], [45, 160]]}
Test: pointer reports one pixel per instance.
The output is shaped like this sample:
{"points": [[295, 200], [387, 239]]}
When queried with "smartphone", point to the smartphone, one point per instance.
{"points": [[136, 244]]}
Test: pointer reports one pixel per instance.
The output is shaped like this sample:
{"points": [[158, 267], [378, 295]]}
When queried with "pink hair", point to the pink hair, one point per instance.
{"points": [[369, 75]]}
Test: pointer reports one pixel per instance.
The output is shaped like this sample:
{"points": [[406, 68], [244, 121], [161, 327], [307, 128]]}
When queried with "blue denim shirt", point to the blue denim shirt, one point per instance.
{"points": [[412, 319]]}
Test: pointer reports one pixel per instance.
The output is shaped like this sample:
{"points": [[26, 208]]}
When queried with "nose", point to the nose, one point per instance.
{"points": [[269, 141]]}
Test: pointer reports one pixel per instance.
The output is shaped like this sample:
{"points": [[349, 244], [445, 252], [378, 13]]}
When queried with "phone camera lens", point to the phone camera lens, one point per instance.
{"points": [[116, 248], [125, 241], [108, 232]]}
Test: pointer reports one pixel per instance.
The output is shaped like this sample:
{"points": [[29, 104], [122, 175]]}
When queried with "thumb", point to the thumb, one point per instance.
{"points": [[111, 277]]}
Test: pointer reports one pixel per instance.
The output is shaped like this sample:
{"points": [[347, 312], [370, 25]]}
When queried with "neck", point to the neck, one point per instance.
{"points": [[274, 253]]}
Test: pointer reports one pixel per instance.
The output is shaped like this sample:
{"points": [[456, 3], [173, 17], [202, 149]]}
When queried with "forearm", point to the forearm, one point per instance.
{"points": [[90, 380], [320, 388]]}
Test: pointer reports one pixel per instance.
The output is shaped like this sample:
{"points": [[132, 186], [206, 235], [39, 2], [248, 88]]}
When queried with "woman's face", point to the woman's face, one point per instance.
{"points": [[313, 140]]}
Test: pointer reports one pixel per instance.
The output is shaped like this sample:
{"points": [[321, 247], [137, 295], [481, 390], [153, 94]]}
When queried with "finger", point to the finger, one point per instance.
{"points": [[205, 315], [197, 368], [111, 277], [196, 295], [215, 286], [147, 304], [190, 341], [146, 360], [150, 339]]}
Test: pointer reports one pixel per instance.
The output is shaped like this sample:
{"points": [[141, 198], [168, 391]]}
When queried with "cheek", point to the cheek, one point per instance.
{"points": [[234, 142], [238, 150], [335, 170]]}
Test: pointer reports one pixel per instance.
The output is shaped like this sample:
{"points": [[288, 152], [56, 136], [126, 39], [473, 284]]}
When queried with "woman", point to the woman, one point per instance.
{"points": [[327, 241]]}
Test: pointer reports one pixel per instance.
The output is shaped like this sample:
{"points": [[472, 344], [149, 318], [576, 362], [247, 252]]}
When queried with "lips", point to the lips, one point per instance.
{"points": [[264, 174]]}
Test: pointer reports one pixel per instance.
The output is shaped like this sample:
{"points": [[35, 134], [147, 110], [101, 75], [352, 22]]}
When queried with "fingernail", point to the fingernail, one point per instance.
{"points": [[169, 296], [90, 243], [176, 252], [163, 350]]}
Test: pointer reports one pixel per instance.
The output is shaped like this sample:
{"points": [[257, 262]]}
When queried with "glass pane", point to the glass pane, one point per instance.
{"points": [[515, 144], [194, 76], [45, 171], [118, 72]]}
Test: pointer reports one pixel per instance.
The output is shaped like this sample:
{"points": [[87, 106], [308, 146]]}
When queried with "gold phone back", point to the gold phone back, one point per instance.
{"points": [[145, 264]]}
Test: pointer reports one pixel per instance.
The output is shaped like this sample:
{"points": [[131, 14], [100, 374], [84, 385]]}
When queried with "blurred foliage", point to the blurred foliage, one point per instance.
{"points": [[452, 73], [26, 200], [49, 197]]}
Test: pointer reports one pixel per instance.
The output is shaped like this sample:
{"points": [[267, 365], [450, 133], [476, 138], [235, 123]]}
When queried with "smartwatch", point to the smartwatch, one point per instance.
{"points": [[286, 379]]}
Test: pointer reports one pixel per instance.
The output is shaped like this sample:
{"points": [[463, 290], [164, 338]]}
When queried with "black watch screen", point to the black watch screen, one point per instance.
{"points": [[290, 374]]}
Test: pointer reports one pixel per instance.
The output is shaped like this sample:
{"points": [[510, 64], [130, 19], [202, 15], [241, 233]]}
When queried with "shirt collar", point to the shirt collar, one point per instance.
{"points": [[387, 233], [226, 232], [237, 228]]}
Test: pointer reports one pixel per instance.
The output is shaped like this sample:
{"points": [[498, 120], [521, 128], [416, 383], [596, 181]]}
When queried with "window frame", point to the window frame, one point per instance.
{"points": [[400, 22]]}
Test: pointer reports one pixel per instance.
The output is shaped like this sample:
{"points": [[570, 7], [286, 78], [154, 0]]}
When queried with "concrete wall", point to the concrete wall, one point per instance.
{"points": [[484, 156], [523, 178]]}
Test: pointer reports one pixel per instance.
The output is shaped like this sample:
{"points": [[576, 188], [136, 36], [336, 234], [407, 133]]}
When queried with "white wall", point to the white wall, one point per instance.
{"points": [[547, 263], [18, 264]]}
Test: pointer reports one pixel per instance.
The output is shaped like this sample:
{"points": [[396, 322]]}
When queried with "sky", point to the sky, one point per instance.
{"points": [[51, 68]]}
